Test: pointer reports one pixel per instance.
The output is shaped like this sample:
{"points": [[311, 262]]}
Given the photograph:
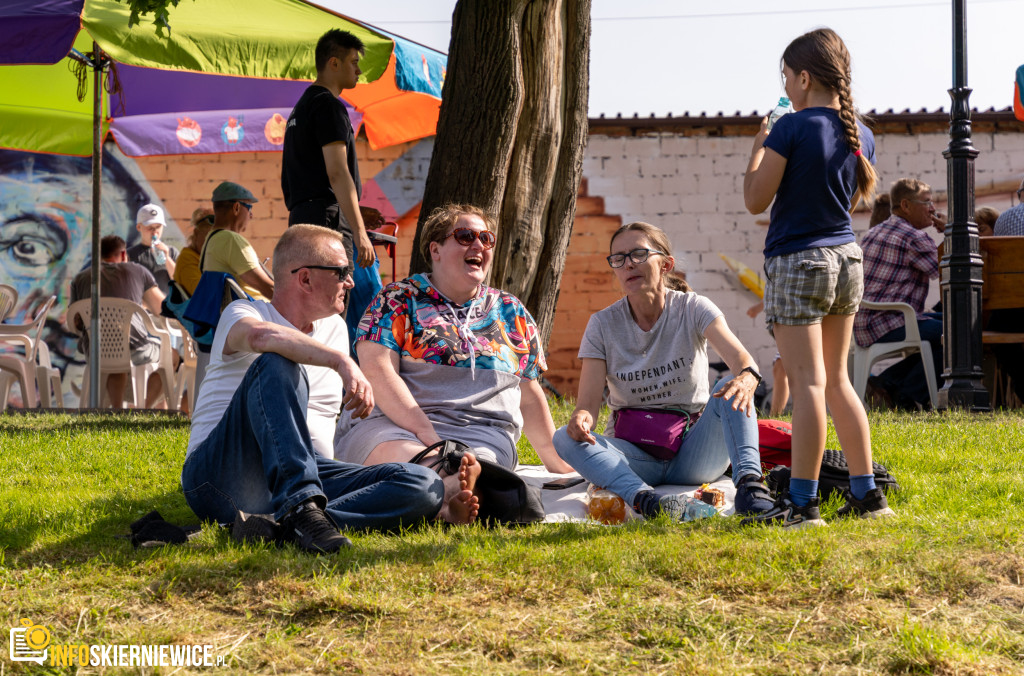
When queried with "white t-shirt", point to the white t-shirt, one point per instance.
{"points": [[666, 367], [225, 373]]}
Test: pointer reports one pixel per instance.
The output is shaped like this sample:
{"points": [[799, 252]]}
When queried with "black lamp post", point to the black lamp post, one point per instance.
{"points": [[960, 268]]}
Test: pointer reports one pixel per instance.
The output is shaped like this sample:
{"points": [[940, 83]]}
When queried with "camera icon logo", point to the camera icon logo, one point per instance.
{"points": [[29, 642]]}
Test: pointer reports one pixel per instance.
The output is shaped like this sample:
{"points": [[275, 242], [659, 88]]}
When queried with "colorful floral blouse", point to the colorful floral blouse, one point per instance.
{"points": [[492, 331]]}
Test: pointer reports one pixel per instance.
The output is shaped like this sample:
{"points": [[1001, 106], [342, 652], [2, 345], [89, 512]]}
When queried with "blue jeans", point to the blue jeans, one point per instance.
{"points": [[719, 437], [259, 459], [905, 379]]}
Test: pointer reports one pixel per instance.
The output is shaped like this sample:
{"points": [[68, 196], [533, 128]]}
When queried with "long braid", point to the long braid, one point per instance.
{"points": [[866, 176], [824, 56]]}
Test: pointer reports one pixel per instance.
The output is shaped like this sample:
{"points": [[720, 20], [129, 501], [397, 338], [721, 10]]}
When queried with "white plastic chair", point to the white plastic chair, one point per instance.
{"points": [[32, 371], [8, 301], [186, 381], [863, 358], [115, 350]]}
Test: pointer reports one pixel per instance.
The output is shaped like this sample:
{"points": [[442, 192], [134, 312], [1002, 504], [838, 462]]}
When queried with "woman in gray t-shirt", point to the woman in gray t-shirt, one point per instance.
{"points": [[650, 350]]}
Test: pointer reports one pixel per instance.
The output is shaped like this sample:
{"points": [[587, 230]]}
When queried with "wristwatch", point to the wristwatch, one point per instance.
{"points": [[753, 372]]}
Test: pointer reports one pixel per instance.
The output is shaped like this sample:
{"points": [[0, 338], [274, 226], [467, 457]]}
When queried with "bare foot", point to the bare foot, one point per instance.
{"points": [[469, 470], [460, 505], [462, 508]]}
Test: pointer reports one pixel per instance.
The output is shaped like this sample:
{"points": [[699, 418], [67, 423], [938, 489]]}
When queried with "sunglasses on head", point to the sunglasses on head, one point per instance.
{"points": [[343, 271], [466, 237]]}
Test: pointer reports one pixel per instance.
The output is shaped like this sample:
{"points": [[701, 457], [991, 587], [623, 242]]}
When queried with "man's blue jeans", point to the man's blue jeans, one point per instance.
{"points": [[905, 379], [719, 437], [259, 459]]}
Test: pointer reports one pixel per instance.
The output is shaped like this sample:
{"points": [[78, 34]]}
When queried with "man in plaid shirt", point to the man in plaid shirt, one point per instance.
{"points": [[900, 259]]}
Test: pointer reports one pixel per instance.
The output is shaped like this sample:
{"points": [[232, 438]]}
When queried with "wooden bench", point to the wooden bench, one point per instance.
{"points": [[1002, 283]]}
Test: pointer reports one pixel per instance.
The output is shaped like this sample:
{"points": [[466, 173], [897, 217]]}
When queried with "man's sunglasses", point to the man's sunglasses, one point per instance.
{"points": [[343, 271], [466, 237]]}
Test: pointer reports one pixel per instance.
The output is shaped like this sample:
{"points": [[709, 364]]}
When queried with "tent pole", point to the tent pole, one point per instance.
{"points": [[97, 177]]}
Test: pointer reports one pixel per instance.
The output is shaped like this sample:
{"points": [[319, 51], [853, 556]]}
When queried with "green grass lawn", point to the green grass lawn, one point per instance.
{"points": [[935, 590]]}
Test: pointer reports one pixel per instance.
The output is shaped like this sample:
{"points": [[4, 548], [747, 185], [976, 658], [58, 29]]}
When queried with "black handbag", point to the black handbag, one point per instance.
{"points": [[505, 498]]}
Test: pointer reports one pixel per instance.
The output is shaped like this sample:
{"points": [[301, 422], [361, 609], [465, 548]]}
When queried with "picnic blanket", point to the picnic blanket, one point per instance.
{"points": [[569, 504]]}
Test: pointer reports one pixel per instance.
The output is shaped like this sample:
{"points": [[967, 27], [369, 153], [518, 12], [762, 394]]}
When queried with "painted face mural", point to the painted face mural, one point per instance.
{"points": [[46, 226]]}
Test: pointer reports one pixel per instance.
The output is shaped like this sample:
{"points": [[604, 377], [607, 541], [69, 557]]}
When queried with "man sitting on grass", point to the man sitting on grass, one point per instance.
{"points": [[262, 432]]}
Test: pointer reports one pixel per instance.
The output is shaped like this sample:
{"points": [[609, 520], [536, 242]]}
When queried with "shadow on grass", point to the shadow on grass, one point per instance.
{"points": [[35, 421], [212, 559]]}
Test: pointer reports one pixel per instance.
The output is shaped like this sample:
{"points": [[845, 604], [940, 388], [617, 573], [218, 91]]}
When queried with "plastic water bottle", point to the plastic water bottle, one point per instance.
{"points": [[158, 255], [780, 109], [696, 509]]}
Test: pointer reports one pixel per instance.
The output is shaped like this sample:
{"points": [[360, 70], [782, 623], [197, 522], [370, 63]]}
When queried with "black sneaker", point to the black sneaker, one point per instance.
{"points": [[784, 513], [873, 506], [752, 496], [255, 528], [308, 527]]}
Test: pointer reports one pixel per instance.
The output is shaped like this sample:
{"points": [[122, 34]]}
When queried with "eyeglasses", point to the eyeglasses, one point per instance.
{"points": [[636, 255], [927, 203], [343, 271], [466, 237], [248, 207]]}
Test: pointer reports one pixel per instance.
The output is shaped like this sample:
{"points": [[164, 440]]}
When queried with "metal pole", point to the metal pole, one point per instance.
{"points": [[97, 177], [960, 268]]}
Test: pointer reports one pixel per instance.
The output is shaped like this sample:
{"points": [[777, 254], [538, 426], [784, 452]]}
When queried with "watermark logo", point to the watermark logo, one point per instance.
{"points": [[33, 643], [29, 642]]}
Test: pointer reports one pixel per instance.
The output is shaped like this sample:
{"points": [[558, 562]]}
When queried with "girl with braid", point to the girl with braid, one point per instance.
{"points": [[817, 165]]}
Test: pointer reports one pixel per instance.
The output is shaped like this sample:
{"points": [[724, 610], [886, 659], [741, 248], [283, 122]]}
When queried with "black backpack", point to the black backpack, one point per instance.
{"points": [[833, 478]]}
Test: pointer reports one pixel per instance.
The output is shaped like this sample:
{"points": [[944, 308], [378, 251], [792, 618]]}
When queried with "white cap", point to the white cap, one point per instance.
{"points": [[150, 214]]}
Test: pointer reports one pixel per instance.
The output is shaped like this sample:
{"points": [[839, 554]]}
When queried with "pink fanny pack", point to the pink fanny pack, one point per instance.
{"points": [[658, 432]]}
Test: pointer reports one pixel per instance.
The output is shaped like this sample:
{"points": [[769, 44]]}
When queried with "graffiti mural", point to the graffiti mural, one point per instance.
{"points": [[46, 227]]}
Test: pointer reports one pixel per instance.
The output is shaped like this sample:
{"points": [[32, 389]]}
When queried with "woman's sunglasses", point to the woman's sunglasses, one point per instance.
{"points": [[466, 237]]}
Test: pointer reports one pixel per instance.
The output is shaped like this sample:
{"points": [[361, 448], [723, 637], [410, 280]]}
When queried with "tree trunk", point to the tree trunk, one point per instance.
{"points": [[511, 134]]}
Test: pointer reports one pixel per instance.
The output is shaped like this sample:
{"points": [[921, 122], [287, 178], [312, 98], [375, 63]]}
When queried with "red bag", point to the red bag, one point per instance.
{"points": [[775, 438]]}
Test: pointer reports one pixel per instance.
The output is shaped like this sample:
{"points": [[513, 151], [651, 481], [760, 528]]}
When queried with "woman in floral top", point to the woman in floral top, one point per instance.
{"points": [[450, 358]]}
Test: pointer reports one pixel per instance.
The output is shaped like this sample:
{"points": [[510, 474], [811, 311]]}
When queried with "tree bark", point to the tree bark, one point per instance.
{"points": [[511, 135]]}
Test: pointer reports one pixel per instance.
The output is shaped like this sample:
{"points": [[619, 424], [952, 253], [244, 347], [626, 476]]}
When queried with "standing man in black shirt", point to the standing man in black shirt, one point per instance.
{"points": [[319, 171]]}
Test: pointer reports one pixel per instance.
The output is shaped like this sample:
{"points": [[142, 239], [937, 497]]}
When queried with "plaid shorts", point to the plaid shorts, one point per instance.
{"points": [[805, 286]]}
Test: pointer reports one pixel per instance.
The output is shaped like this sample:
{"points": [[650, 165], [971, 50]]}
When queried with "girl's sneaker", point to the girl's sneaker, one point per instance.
{"points": [[873, 506], [788, 515]]}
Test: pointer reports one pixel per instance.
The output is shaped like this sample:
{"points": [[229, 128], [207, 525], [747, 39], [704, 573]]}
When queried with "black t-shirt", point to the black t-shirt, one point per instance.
{"points": [[319, 118]]}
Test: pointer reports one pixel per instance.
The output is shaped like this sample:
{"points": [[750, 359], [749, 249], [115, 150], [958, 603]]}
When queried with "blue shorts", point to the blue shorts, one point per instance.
{"points": [[805, 286]]}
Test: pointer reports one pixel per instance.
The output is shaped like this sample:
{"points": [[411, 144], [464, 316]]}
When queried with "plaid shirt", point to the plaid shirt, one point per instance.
{"points": [[1010, 222], [899, 260]]}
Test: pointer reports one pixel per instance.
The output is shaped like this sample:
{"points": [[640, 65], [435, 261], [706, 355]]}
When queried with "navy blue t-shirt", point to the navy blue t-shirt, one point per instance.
{"points": [[812, 205]]}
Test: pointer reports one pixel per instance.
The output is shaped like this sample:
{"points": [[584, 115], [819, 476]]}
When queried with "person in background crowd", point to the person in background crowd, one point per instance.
{"points": [[226, 250], [150, 223], [319, 168], [985, 218], [187, 272], [900, 260], [120, 278], [1011, 222]]}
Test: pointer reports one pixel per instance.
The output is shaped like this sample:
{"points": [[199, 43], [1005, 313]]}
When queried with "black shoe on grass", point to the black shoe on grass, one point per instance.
{"points": [[309, 528], [752, 496], [873, 506], [788, 515]]}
